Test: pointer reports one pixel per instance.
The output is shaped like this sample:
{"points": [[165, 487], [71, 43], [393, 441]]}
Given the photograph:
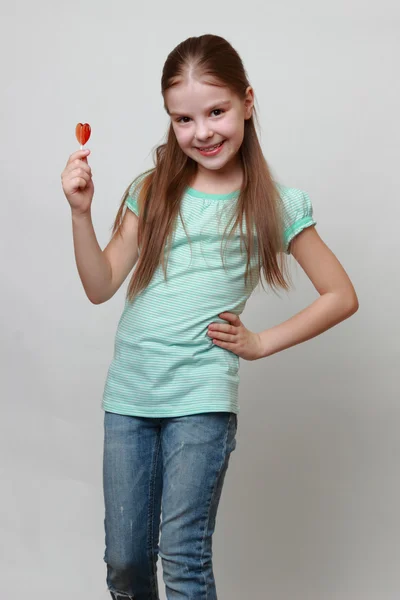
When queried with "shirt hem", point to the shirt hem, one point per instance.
{"points": [[135, 411]]}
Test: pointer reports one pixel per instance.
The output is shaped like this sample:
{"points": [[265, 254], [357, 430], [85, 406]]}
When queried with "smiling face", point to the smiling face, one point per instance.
{"points": [[208, 122]]}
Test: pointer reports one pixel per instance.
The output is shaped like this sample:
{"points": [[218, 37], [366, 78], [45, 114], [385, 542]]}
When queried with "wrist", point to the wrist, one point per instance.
{"points": [[78, 215], [266, 348]]}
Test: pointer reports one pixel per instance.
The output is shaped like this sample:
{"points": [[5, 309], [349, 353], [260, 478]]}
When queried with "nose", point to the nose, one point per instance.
{"points": [[203, 132]]}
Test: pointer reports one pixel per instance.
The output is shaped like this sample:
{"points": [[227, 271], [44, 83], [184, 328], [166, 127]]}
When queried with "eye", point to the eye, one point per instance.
{"points": [[220, 111]]}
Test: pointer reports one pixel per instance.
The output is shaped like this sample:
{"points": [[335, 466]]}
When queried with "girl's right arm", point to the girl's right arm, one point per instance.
{"points": [[101, 272]]}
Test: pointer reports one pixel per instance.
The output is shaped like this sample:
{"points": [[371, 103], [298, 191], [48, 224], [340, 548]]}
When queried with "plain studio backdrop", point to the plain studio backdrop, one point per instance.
{"points": [[310, 507]]}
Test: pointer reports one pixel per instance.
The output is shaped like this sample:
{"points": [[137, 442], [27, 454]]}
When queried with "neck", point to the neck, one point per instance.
{"points": [[206, 180]]}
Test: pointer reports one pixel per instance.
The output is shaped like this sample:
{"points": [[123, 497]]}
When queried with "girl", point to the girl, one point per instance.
{"points": [[170, 398]]}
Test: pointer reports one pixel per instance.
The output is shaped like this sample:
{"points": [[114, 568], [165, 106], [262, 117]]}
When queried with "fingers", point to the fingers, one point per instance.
{"points": [[81, 182], [78, 158], [77, 170], [77, 165], [221, 327], [80, 175], [79, 154]]}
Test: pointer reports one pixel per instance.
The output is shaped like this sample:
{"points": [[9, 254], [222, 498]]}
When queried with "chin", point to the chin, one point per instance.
{"points": [[213, 167], [211, 164]]}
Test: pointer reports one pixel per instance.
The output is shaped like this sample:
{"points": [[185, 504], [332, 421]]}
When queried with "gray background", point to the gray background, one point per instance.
{"points": [[310, 507]]}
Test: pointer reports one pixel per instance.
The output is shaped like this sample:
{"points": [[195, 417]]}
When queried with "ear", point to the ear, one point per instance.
{"points": [[248, 103]]}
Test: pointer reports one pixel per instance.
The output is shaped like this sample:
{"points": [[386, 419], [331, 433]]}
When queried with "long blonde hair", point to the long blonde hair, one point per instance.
{"points": [[160, 189]]}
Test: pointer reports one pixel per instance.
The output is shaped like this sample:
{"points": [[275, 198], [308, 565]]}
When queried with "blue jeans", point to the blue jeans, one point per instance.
{"points": [[174, 466]]}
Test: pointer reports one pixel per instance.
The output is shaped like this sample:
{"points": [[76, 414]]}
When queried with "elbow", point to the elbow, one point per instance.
{"points": [[351, 305], [96, 300], [356, 305], [344, 304], [101, 299]]}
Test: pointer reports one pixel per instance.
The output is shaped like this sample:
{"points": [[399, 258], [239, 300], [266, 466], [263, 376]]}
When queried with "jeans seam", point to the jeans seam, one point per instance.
{"points": [[150, 517], [210, 503]]}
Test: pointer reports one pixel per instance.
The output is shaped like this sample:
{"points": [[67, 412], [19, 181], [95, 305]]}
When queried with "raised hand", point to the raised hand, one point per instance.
{"points": [[77, 182]]}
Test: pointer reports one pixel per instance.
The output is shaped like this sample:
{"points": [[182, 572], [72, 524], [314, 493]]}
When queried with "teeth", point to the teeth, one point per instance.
{"points": [[211, 147]]}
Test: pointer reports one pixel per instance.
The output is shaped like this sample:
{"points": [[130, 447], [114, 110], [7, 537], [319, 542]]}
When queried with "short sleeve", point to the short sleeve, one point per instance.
{"points": [[297, 213], [133, 194]]}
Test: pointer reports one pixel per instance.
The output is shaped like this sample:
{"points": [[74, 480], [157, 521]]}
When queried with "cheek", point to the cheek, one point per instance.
{"points": [[184, 137], [234, 129]]}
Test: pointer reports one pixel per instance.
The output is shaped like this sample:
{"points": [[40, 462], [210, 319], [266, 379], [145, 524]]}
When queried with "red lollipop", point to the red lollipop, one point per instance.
{"points": [[82, 132]]}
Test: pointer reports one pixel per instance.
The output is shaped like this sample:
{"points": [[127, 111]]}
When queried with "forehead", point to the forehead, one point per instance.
{"points": [[192, 95]]}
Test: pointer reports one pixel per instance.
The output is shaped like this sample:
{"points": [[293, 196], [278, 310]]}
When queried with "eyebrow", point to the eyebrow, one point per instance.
{"points": [[210, 108]]}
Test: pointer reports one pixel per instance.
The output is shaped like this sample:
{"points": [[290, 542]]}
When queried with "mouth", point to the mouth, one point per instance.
{"points": [[210, 150]]}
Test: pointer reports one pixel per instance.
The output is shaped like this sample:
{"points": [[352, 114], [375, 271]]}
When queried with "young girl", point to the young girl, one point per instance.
{"points": [[200, 228]]}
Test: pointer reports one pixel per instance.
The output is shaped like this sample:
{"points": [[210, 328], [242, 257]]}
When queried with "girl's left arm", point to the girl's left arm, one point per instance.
{"points": [[337, 302]]}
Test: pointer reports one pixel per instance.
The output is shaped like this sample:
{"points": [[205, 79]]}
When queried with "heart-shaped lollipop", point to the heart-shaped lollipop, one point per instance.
{"points": [[82, 132]]}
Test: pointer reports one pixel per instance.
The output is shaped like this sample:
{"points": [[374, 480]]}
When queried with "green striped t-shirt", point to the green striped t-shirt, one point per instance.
{"points": [[164, 362]]}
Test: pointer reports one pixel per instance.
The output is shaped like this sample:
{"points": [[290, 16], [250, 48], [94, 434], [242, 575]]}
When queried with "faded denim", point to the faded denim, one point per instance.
{"points": [[170, 467]]}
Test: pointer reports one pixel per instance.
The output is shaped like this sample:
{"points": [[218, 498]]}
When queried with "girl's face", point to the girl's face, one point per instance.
{"points": [[208, 122]]}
